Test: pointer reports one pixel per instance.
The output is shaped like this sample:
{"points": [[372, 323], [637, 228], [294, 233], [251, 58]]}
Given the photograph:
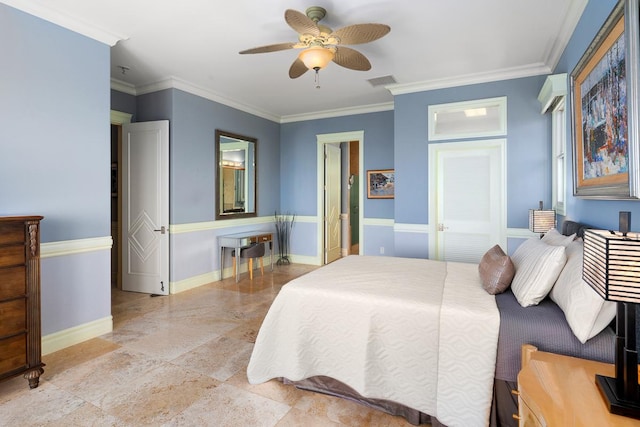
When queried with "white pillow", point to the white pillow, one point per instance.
{"points": [[554, 238], [537, 268], [587, 313]]}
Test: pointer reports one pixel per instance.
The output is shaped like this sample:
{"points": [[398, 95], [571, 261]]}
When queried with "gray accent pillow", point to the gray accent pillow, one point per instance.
{"points": [[496, 270]]}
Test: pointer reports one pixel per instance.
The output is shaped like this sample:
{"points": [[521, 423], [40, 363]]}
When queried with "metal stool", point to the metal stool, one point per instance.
{"points": [[254, 251]]}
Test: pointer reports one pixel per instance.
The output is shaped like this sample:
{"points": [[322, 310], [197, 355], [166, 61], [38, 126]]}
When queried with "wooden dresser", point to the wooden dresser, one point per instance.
{"points": [[556, 390], [20, 337]]}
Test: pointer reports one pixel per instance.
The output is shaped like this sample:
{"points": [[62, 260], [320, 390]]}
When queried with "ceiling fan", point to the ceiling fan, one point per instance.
{"points": [[321, 44]]}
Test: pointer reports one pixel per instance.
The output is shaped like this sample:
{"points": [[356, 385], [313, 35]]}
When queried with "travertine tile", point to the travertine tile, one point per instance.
{"points": [[173, 340], [94, 379], [230, 406], [274, 389], [73, 356], [38, 406], [345, 412], [220, 358], [156, 397], [87, 415], [297, 418]]}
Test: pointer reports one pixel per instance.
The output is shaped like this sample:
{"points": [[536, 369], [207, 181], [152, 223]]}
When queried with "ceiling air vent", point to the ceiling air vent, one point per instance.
{"points": [[382, 81]]}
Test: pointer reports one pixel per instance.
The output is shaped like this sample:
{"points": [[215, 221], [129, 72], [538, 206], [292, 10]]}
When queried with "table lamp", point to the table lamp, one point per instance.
{"points": [[612, 268], [541, 220]]}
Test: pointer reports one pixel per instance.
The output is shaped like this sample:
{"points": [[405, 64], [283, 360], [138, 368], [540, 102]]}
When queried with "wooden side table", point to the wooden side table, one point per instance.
{"points": [[556, 390]]}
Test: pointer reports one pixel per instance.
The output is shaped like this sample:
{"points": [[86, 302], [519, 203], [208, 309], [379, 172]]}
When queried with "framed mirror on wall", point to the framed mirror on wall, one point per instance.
{"points": [[235, 175]]}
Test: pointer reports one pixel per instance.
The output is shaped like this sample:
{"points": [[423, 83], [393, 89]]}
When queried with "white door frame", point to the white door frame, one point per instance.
{"points": [[331, 138], [119, 118], [433, 181]]}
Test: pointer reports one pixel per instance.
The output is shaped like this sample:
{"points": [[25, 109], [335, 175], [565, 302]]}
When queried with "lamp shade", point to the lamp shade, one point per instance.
{"points": [[612, 265], [316, 57], [541, 220]]}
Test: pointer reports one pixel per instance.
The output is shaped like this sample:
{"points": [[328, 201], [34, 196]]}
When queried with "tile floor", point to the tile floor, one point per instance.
{"points": [[177, 360]]}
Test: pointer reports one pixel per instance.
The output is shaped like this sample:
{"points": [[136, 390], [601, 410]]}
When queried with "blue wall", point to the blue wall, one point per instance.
{"points": [[55, 158], [193, 121], [528, 147], [299, 174], [298, 154], [124, 103], [600, 213], [54, 87]]}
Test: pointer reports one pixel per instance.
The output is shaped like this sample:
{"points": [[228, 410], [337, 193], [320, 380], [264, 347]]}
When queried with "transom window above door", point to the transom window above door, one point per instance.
{"points": [[468, 119]]}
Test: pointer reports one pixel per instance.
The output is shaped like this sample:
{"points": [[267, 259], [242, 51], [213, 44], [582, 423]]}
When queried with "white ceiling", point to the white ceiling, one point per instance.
{"points": [[193, 45]]}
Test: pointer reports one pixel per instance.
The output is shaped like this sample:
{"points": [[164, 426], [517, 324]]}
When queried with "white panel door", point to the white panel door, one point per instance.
{"points": [[469, 198], [332, 233], [145, 207]]}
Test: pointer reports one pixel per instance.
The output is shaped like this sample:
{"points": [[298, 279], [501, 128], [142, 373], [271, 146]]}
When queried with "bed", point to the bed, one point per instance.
{"points": [[418, 338]]}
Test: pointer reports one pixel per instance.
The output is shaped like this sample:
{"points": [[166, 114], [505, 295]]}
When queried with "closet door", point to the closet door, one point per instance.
{"points": [[468, 188]]}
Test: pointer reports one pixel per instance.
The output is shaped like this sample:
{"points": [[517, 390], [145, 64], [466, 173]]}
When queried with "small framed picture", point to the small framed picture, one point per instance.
{"points": [[380, 184]]}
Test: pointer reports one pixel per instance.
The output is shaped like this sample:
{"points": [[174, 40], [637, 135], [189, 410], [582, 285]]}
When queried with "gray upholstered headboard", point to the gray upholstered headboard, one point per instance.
{"points": [[570, 227]]}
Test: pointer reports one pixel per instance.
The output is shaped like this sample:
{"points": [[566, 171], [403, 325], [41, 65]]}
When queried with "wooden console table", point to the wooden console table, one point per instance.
{"points": [[238, 241]]}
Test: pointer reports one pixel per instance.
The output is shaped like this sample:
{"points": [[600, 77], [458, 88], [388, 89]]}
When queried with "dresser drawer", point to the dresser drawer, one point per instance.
{"points": [[11, 232], [12, 255], [14, 317], [12, 282], [14, 354], [527, 417]]}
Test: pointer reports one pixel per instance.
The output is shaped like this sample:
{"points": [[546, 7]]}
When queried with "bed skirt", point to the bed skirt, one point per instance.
{"points": [[504, 402]]}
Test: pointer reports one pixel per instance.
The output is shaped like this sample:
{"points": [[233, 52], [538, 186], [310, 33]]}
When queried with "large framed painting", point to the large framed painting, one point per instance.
{"points": [[605, 110], [381, 184]]}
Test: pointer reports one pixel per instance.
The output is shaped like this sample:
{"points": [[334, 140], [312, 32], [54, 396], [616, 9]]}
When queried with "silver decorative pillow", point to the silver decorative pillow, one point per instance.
{"points": [[496, 270], [554, 238], [538, 265]]}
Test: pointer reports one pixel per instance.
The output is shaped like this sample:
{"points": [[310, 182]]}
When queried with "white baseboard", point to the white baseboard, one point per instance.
{"points": [[309, 260], [75, 335], [214, 276], [193, 282]]}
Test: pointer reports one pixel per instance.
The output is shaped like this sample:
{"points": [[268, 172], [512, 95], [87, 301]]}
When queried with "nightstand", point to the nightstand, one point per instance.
{"points": [[556, 390]]}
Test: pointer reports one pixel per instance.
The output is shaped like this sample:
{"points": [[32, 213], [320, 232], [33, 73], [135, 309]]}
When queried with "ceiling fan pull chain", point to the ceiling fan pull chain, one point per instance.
{"points": [[317, 78]]}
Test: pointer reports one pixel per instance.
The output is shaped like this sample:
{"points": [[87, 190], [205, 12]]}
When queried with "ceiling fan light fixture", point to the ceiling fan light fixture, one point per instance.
{"points": [[316, 57]]}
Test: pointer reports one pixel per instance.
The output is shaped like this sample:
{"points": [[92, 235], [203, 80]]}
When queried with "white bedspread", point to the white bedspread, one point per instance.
{"points": [[417, 332]]}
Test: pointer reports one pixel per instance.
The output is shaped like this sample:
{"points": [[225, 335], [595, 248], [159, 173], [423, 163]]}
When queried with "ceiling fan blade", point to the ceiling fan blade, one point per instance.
{"points": [[301, 23], [361, 33], [297, 69], [269, 48], [352, 59]]}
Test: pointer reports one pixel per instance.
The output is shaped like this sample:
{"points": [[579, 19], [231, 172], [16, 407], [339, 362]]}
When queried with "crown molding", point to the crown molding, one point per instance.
{"points": [[123, 87], [349, 111], [66, 21], [176, 83], [571, 19], [469, 79]]}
